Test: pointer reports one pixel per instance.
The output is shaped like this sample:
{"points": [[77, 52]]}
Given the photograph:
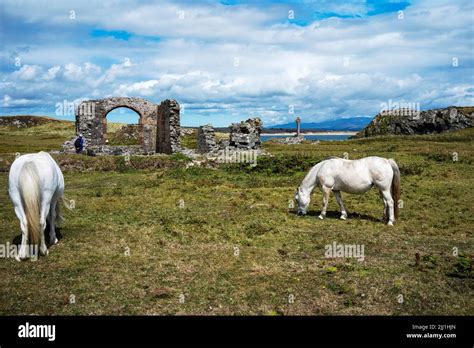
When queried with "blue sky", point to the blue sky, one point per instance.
{"points": [[228, 60]]}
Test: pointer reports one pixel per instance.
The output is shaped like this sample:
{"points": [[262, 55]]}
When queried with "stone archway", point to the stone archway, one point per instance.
{"points": [[159, 125], [91, 119]]}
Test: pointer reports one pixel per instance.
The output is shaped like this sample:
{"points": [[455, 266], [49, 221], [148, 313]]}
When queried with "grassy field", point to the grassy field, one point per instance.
{"points": [[152, 237]]}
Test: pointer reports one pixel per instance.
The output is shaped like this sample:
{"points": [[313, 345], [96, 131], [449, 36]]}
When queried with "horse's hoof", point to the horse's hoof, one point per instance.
{"points": [[22, 255], [390, 223], [321, 217], [44, 252], [56, 241], [343, 217], [34, 258]]}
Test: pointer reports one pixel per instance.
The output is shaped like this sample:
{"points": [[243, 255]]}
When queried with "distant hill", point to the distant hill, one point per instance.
{"points": [[340, 124], [406, 122], [27, 121]]}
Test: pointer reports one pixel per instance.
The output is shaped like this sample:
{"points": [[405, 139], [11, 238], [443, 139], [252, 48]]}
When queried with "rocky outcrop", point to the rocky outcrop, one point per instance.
{"points": [[206, 139], [246, 134], [406, 122]]}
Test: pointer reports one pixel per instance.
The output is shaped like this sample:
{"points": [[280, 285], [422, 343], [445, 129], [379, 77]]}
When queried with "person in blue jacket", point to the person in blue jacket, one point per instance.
{"points": [[79, 144]]}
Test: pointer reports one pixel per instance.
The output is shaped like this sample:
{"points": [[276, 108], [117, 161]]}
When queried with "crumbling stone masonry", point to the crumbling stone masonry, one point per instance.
{"points": [[206, 138], [168, 140], [158, 126], [246, 134]]}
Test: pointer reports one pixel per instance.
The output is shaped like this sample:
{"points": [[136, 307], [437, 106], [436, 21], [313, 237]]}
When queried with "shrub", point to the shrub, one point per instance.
{"points": [[463, 267], [179, 157], [416, 168], [279, 164]]}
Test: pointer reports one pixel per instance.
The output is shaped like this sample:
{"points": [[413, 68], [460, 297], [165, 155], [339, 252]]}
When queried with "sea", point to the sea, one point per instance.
{"points": [[310, 137]]}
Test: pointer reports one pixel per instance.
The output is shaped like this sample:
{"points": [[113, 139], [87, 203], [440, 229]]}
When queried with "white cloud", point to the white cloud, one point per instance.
{"points": [[6, 100], [144, 88], [116, 70], [73, 72], [88, 72], [27, 72], [52, 72]]}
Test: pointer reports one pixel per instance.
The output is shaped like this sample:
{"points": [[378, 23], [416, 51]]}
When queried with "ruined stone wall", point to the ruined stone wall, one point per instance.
{"points": [[206, 139], [116, 150], [246, 134], [168, 134], [158, 126], [91, 120]]}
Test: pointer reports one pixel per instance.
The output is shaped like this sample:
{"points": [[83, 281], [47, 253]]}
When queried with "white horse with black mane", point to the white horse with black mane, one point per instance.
{"points": [[352, 176], [35, 185]]}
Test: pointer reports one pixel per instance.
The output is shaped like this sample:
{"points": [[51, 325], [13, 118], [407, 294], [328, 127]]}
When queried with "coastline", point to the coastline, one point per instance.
{"points": [[311, 133]]}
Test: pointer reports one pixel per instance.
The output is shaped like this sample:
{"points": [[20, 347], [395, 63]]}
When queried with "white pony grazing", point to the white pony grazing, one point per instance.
{"points": [[35, 185], [352, 176]]}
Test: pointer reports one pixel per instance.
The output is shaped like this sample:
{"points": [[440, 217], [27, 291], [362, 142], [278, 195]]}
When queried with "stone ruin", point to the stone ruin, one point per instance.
{"points": [[158, 130], [158, 126], [243, 136], [246, 134], [206, 138], [168, 133]]}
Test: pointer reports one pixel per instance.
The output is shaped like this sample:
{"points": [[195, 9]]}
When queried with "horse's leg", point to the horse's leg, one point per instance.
{"points": [[52, 221], [326, 193], [45, 208], [341, 204], [387, 196], [23, 252], [385, 208]]}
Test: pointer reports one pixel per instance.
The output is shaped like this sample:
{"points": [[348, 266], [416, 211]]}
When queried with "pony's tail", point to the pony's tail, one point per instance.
{"points": [[396, 188], [30, 195], [59, 217]]}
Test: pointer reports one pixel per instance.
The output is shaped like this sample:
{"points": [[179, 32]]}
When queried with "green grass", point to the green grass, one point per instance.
{"points": [[45, 137], [190, 140], [235, 247], [115, 135]]}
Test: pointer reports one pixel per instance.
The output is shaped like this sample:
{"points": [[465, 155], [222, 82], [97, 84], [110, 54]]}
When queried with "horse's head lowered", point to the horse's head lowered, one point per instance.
{"points": [[303, 199]]}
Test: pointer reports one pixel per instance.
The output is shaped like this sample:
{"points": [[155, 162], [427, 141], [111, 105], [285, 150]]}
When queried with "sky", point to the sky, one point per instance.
{"points": [[225, 61]]}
